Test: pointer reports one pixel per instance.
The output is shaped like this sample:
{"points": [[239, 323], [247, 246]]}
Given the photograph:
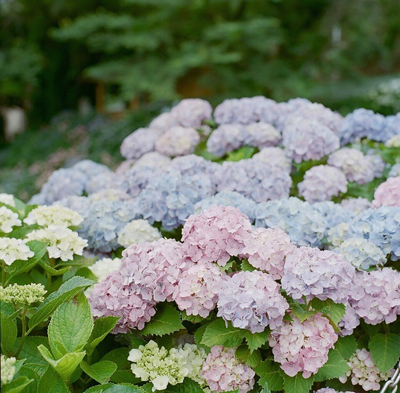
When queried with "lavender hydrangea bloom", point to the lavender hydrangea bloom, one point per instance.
{"points": [[306, 139], [79, 204], [139, 177], [261, 135], [274, 156], [267, 250], [321, 183], [90, 168], [381, 226], [321, 114], [140, 142], [192, 112], [164, 121], [254, 180], [285, 109], [392, 126], [377, 163], [103, 222], [357, 167], [216, 234], [224, 139], [334, 213], [197, 291], [109, 180], [110, 195], [304, 225], [313, 273], [395, 171], [193, 165], [229, 198], [252, 300], [356, 205], [379, 299], [388, 193], [155, 268], [361, 253], [115, 297], [363, 123], [153, 159], [178, 141], [303, 346], [170, 198]]}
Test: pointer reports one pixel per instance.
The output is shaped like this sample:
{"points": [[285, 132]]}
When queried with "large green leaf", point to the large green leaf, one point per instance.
{"points": [[124, 373], [64, 366], [297, 384], [270, 374], [100, 371], [335, 311], [31, 373], [8, 332], [252, 358], [335, 367], [66, 292], [52, 382], [17, 385], [256, 340], [70, 327], [217, 333], [385, 350], [187, 386], [102, 326], [166, 321], [346, 346], [300, 310]]}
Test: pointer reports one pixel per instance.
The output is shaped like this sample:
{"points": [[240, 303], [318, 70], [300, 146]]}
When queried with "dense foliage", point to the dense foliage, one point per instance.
{"points": [[270, 266]]}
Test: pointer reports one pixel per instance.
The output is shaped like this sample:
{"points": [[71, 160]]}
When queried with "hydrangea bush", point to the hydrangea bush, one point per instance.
{"points": [[251, 249]]}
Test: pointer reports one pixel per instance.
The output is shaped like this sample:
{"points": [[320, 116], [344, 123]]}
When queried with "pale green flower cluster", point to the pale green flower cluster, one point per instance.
{"points": [[102, 268], [138, 231], [23, 294], [337, 234], [394, 141], [14, 249], [162, 367], [8, 220], [63, 242], [53, 215], [7, 369], [8, 199]]}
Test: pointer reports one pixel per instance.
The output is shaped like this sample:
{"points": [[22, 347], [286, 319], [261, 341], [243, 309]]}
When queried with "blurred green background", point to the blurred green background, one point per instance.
{"points": [[122, 61]]}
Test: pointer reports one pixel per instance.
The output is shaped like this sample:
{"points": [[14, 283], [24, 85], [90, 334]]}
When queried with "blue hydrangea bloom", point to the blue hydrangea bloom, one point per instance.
{"points": [[395, 170], [334, 213]]}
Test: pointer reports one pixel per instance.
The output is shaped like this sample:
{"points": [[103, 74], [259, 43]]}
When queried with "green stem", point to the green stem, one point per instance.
{"points": [[3, 274], [24, 334]]}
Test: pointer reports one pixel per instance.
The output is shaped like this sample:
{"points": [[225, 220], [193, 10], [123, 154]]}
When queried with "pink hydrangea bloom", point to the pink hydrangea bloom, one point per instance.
{"points": [[113, 297], [378, 298], [252, 300], [329, 390], [223, 372], [155, 268], [216, 234], [388, 193], [303, 346], [312, 273], [349, 321], [267, 250], [197, 291]]}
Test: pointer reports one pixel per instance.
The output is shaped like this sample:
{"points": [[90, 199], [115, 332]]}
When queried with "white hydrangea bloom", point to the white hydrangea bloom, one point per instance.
{"points": [[102, 268], [14, 249], [63, 242], [394, 141], [53, 215], [193, 359], [8, 199], [138, 231], [8, 220], [7, 369], [337, 234]]}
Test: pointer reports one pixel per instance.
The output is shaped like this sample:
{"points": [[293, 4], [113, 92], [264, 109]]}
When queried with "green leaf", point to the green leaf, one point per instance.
{"points": [[66, 292], [8, 332], [297, 384], [199, 333], [334, 310], [30, 373], [19, 267], [191, 318], [45, 264], [64, 366], [217, 333], [187, 386], [299, 310], [100, 371], [166, 321], [256, 340], [123, 374], [346, 346], [242, 153], [335, 367], [102, 326], [70, 327], [246, 266], [17, 385], [385, 350], [52, 382], [270, 374], [252, 358]]}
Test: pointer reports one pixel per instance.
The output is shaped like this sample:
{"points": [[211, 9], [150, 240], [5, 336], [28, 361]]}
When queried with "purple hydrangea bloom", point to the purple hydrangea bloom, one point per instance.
{"points": [[285, 109], [192, 112], [306, 139], [164, 121], [140, 142], [170, 197], [153, 159], [254, 180], [304, 225], [377, 163], [139, 177], [107, 181], [275, 157], [357, 167], [193, 165], [261, 135], [178, 141], [252, 300], [321, 183], [313, 273], [216, 234], [224, 139]]}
